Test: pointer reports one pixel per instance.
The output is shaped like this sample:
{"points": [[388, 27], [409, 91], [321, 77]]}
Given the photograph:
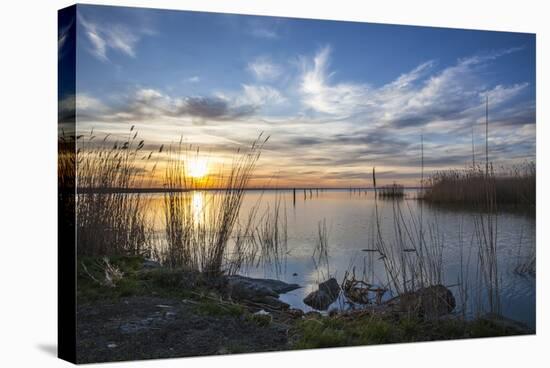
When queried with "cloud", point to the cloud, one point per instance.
{"points": [[194, 79], [104, 38], [339, 129], [322, 96], [264, 69], [83, 104], [266, 28], [150, 104], [453, 96], [261, 95]]}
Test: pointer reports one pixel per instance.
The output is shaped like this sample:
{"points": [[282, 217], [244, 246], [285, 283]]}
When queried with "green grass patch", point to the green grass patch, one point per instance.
{"points": [[326, 332], [135, 280], [213, 308]]}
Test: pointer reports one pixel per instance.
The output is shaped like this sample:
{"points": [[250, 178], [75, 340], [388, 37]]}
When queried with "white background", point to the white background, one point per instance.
{"points": [[28, 184]]}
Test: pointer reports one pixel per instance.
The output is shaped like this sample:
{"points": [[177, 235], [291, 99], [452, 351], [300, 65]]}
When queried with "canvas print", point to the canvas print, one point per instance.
{"points": [[235, 183]]}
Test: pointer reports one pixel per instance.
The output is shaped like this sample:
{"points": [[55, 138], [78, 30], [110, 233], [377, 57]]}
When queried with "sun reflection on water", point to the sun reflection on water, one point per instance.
{"points": [[198, 207]]}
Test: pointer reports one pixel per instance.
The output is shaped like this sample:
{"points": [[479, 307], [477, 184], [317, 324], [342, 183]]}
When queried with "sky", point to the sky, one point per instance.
{"points": [[336, 98]]}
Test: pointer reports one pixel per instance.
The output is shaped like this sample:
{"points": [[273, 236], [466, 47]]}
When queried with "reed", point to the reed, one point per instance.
{"points": [[110, 219], [271, 236], [320, 254], [391, 191], [515, 186], [201, 243]]}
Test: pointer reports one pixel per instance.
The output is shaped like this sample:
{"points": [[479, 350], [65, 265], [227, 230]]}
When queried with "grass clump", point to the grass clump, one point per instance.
{"points": [[262, 320], [136, 281], [110, 217], [334, 332], [198, 238], [217, 308], [516, 186], [340, 331]]}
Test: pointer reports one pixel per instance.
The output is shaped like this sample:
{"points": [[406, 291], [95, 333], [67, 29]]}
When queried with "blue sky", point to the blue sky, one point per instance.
{"points": [[336, 97]]}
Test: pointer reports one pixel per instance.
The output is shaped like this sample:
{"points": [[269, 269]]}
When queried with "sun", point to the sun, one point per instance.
{"points": [[197, 168]]}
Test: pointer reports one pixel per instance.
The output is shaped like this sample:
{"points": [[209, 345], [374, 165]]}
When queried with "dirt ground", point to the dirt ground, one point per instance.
{"points": [[152, 328]]}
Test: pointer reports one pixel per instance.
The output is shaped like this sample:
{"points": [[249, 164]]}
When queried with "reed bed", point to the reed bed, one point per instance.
{"points": [[391, 191], [516, 186], [201, 243], [412, 257], [271, 238], [110, 218]]}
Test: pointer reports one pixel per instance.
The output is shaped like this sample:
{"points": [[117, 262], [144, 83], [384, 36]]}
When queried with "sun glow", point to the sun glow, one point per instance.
{"points": [[197, 168]]}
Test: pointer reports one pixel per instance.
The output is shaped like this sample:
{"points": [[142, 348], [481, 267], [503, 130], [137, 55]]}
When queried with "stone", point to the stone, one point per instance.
{"points": [[248, 288], [432, 301], [272, 302], [322, 298], [331, 287]]}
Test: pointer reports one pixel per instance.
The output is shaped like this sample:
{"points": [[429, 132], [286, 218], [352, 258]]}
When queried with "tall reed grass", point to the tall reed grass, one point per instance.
{"points": [[516, 186], [110, 217], [201, 243], [412, 257]]}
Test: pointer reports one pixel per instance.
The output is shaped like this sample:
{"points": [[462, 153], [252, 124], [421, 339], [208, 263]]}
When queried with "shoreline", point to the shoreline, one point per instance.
{"points": [[163, 313]]}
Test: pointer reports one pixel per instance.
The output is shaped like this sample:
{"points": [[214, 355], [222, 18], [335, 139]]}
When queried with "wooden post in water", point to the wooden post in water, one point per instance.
{"points": [[294, 197]]}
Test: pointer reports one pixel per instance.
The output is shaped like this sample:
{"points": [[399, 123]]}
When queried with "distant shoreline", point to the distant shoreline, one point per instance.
{"points": [[163, 190]]}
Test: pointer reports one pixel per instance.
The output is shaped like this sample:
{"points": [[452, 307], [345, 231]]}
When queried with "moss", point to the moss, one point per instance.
{"points": [[213, 308], [262, 320]]}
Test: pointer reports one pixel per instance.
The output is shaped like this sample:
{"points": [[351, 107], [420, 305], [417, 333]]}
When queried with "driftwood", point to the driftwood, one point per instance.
{"points": [[359, 291]]}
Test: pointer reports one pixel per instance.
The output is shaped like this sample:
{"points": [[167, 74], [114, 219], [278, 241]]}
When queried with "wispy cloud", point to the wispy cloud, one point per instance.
{"points": [[417, 98], [104, 38], [321, 95], [264, 69], [260, 95], [264, 28], [193, 79]]}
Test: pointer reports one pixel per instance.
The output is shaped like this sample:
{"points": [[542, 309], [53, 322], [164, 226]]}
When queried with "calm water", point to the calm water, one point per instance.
{"points": [[349, 220]]}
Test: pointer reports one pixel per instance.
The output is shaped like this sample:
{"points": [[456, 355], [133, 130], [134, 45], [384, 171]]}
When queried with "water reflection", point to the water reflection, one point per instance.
{"points": [[198, 207], [349, 218]]}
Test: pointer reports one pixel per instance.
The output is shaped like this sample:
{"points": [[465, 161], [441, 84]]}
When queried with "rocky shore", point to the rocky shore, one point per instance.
{"points": [[155, 312]]}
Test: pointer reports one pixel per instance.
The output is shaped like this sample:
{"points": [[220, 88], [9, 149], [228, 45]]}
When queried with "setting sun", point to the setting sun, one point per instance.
{"points": [[197, 168]]}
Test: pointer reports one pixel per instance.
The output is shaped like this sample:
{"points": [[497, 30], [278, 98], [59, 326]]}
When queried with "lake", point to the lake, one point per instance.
{"points": [[350, 223]]}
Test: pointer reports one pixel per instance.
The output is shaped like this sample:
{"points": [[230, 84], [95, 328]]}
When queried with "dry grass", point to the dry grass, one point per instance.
{"points": [[512, 187], [110, 219], [391, 191], [201, 243]]}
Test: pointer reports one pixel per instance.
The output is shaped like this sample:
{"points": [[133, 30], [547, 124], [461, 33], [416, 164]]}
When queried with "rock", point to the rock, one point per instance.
{"points": [[325, 296], [272, 302], [432, 301], [318, 300], [330, 287], [149, 264], [247, 288]]}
